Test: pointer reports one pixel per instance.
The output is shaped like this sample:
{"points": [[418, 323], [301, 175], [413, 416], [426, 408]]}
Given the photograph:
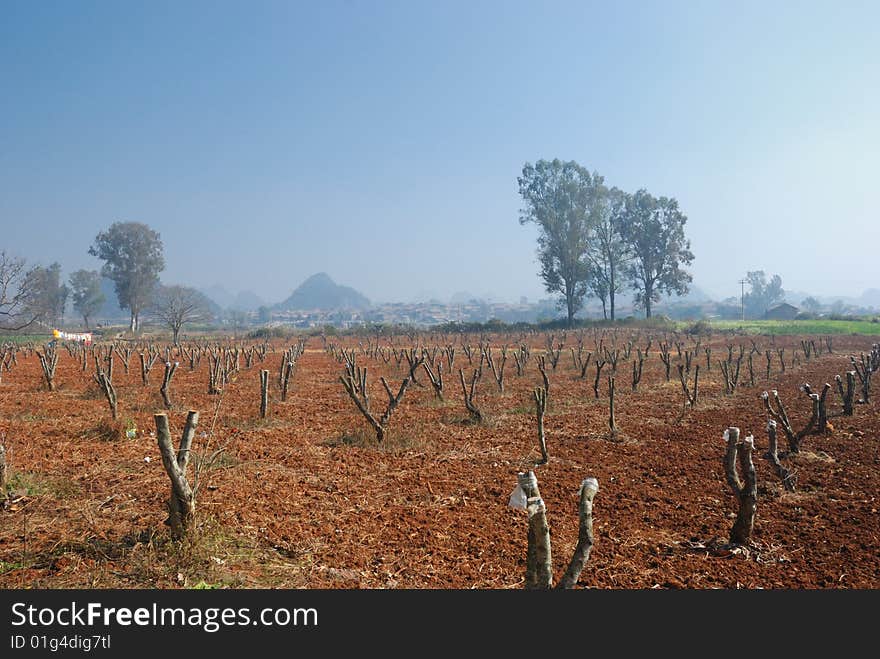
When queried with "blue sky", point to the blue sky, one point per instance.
{"points": [[380, 141]]}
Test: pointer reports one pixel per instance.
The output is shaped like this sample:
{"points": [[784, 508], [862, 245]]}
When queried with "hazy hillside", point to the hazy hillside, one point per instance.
{"points": [[321, 292], [871, 298], [246, 301], [242, 301], [220, 295]]}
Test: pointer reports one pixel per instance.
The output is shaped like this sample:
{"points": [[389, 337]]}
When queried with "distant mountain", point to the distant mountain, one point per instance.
{"points": [[321, 292], [219, 294], [871, 298], [246, 301], [242, 301], [215, 309]]}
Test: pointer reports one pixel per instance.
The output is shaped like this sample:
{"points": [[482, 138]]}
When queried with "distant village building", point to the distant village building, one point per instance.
{"points": [[782, 311]]}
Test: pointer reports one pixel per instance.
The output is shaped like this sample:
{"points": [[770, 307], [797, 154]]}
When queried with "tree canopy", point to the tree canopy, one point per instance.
{"points": [[607, 253], [175, 306], [88, 298], [48, 294], [133, 259], [763, 293], [597, 239], [654, 230], [811, 304], [558, 198]]}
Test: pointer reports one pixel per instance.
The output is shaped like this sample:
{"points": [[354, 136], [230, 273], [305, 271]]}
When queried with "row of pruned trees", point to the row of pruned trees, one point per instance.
{"points": [[682, 353], [224, 361], [743, 480], [736, 363]]}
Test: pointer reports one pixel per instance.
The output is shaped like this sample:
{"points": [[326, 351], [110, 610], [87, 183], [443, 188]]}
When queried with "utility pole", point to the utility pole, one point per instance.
{"points": [[742, 298]]}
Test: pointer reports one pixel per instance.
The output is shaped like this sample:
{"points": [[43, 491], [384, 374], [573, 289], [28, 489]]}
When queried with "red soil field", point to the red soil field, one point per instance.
{"points": [[307, 498]]}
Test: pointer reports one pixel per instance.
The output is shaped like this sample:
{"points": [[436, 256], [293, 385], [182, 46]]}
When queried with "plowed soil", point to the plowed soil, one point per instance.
{"points": [[307, 498]]}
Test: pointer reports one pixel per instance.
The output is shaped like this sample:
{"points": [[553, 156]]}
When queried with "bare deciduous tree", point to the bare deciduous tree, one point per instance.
{"points": [[175, 306], [16, 293]]}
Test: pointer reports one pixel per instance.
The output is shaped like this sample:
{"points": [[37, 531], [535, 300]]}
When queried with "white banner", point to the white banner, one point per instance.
{"points": [[69, 336]]}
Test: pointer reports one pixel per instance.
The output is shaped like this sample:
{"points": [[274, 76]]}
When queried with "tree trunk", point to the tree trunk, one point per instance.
{"points": [[181, 504], [746, 493], [772, 454], [541, 407], [612, 425], [3, 495], [539, 573], [611, 292], [264, 393], [745, 518], [581, 555]]}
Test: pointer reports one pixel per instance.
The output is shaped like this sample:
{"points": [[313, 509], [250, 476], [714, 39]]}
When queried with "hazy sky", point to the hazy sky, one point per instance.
{"points": [[380, 141]]}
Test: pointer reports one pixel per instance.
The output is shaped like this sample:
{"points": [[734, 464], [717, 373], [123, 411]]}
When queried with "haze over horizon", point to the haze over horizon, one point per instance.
{"points": [[381, 142]]}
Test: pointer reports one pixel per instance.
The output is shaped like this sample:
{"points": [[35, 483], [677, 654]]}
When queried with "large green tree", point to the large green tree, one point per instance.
{"points": [[88, 298], [558, 197], [763, 293], [653, 228], [811, 304], [132, 255], [49, 294], [607, 252]]}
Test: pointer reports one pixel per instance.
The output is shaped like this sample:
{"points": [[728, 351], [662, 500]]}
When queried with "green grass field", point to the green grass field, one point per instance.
{"points": [[865, 327], [21, 339], [778, 327]]}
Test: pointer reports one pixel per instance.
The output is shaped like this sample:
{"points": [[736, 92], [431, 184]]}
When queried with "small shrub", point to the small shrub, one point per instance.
{"points": [[107, 430], [699, 327], [276, 332]]}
